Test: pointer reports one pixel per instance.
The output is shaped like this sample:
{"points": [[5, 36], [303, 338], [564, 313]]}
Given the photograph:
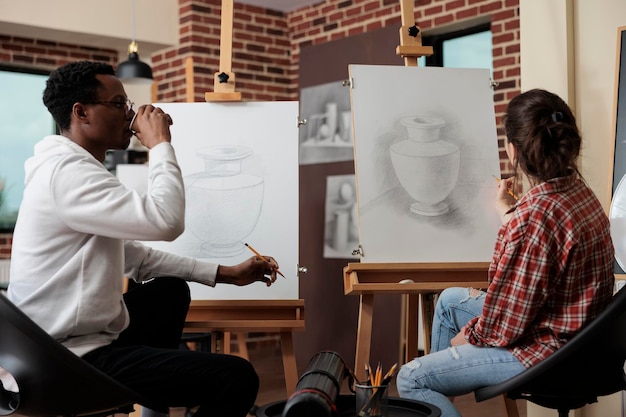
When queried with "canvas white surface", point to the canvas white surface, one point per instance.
{"points": [[226, 208], [388, 230], [617, 215]]}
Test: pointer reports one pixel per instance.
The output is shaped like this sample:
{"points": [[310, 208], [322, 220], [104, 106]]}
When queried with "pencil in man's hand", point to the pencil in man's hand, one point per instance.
{"points": [[262, 257]]}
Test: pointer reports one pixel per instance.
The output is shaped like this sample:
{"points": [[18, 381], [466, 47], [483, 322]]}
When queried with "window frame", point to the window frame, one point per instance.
{"points": [[437, 40], [4, 227]]}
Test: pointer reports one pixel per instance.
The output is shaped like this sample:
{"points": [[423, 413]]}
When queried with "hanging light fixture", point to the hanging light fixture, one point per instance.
{"points": [[133, 69]]}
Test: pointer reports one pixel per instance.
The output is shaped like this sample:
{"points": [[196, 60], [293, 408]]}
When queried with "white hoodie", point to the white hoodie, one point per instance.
{"points": [[74, 241]]}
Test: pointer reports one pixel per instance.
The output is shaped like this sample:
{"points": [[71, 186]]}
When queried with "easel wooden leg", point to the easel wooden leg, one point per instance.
{"points": [[289, 362], [242, 345], [411, 331], [189, 80], [364, 335], [428, 311], [510, 406], [226, 343], [214, 337], [404, 312]]}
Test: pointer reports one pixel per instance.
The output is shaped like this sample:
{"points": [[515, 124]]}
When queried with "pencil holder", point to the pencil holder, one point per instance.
{"points": [[371, 401], [318, 388]]}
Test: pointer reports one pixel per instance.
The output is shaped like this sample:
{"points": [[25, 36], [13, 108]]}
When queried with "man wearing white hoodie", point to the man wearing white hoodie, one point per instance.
{"points": [[75, 241]]}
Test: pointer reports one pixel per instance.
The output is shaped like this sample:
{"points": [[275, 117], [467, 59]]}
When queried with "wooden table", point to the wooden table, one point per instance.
{"points": [[244, 316], [369, 279]]}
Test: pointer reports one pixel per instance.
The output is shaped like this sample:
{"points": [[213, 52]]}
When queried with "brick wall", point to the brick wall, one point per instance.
{"points": [[5, 245], [46, 55], [260, 53]]}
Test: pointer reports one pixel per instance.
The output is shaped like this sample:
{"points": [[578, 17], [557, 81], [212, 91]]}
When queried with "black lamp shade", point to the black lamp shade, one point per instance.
{"points": [[134, 68]]}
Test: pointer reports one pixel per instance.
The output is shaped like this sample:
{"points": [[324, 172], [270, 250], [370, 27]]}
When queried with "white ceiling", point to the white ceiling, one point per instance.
{"points": [[280, 5]]}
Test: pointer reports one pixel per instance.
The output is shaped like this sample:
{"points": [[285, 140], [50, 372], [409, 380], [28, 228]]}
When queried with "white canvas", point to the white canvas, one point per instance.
{"points": [[432, 201], [240, 166], [133, 176]]}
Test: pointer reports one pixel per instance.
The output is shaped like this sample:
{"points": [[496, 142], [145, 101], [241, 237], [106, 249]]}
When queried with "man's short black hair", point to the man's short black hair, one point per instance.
{"points": [[71, 83]]}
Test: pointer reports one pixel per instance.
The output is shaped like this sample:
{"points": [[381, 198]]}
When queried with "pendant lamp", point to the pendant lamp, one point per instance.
{"points": [[134, 70]]}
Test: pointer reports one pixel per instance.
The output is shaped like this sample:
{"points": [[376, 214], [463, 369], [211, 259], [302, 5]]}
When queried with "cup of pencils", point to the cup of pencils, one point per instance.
{"points": [[371, 394]]}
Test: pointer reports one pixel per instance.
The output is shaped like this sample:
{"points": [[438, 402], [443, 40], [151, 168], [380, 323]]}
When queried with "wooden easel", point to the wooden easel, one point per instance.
{"points": [[410, 47], [239, 317], [243, 316], [369, 279], [224, 79], [366, 280]]}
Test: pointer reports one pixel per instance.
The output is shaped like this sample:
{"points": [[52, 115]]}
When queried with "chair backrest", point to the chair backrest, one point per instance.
{"points": [[588, 366], [51, 379]]}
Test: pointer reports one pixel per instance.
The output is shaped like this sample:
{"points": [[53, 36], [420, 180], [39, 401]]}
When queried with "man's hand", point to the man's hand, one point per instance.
{"points": [[251, 270], [151, 125]]}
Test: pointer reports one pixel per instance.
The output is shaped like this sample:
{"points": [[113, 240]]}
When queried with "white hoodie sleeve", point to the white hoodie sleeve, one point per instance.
{"points": [[90, 199], [143, 263]]}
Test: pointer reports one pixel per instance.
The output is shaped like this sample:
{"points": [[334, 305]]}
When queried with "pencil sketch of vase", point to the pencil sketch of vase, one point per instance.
{"points": [[223, 204], [426, 166]]}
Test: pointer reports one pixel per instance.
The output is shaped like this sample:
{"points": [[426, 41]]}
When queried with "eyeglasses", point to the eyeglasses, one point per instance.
{"points": [[127, 106]]}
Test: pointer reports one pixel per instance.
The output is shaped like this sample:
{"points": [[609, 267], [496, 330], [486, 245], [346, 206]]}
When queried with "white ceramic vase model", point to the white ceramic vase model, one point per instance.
{"points": [[223, 204], [426, 166]]}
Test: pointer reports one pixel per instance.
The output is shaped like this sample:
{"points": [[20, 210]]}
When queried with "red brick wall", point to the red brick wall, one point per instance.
{"points": [[5, 245], [46, 55], [260, 53]]}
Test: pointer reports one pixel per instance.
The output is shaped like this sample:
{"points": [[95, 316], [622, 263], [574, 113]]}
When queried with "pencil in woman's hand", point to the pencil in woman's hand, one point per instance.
{"points": [[508, 189]]}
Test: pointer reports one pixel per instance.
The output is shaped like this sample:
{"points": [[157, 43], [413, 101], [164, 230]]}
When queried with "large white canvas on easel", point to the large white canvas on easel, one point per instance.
{"points": [[425, 198], [240, 166]]}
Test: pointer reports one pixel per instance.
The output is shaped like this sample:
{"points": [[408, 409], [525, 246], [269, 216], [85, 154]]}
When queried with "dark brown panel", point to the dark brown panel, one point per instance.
{"points": [[331, 316]]}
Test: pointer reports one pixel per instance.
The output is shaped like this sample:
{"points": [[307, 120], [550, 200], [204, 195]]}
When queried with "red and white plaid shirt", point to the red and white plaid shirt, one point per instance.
{"points": [[551, 273]]}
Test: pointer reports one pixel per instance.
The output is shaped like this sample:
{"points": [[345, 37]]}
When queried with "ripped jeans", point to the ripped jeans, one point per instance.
{"points": [[452, 371]]}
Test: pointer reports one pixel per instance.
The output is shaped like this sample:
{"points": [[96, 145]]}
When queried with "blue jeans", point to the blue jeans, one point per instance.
{"points": [[452, 371]]}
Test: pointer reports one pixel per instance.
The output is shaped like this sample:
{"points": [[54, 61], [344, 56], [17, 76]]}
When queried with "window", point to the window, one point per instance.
{"points": [[467, 48], [24, 120]]}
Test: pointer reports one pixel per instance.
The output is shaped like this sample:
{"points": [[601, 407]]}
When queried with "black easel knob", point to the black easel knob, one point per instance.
{"points": [[413, 31], [222, 77]]}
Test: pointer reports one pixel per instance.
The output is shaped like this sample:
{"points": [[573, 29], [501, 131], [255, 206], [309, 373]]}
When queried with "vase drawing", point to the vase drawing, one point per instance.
{"points": [[223, 204], [426, 166]]}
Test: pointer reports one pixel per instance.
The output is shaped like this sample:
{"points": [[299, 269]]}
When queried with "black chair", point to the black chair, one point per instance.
{"points": [[52, 380], [588, 366]]}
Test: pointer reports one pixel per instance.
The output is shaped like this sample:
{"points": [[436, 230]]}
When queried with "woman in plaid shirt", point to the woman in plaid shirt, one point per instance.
{"points": [[551, 272]]}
